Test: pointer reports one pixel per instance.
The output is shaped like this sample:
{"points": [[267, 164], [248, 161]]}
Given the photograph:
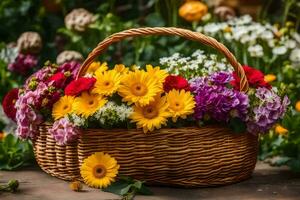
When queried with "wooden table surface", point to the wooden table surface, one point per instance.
{"points": [[267, 183]]}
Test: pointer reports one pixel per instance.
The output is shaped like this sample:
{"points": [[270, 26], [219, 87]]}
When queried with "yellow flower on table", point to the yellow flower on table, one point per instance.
{"points": [[280, 130], [297, 106], [87, 104], [151, 116], [97, 67], [75, 186], [193, 10], [139, 87], [107, 83], [181, 104], [270, 78], [99, 170], [62, 107]]}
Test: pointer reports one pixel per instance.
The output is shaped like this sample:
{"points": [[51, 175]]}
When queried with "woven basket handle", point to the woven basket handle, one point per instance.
{"points": [[209, 41]]}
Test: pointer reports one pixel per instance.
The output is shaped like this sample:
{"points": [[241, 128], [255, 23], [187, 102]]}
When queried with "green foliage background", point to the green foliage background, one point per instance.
{"points": [[47, 18]]}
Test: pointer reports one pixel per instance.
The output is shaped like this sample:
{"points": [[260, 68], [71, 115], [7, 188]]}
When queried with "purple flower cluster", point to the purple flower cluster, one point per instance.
{"points": [[23, 63], [215, 101], [63, 131], [270, 108]]}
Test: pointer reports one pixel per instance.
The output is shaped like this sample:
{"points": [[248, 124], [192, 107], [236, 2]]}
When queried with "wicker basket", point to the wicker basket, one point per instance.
{"points": [[189, 157]]}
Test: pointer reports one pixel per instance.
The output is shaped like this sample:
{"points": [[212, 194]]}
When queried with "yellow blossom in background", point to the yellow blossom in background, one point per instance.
{"points": [[134, 68], [120, 68], [280, 130], [99, 170], [97, 67], [270, 78], [139, 87], [297, 106], [76, 186], [181, 104], [289, 24], [157, 73], [2, 136], [107, 82], [151, 116], [193, 10], [62, 107], [87, 104], [228, 29]]}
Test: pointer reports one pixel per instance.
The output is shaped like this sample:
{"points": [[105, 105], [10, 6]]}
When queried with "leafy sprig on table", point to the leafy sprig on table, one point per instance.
{"points": [[128, 188]]}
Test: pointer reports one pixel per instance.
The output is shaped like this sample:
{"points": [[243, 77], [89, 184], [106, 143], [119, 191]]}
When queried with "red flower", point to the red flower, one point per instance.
{"points": [[58, 79], [79, 85], [176, 82], [254, 76], [8, 103]]}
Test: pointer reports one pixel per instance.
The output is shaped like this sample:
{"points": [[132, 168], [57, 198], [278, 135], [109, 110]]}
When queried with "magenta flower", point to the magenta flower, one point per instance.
{"points": [[23, 63]]}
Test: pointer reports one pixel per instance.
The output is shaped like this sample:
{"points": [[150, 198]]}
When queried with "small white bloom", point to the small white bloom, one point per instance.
{"points": [[271, 43], [9, 54], [256, 51], [295, 58], [281, 50], [267, 35], [296, 36], [228, 36], [290, 44]]}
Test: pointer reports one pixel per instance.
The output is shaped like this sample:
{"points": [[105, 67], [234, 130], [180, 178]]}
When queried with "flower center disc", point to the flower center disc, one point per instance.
{"points": [[138, 89], [177, 106], [99, 171], [150, 112], [107, 84], [91, 102]]}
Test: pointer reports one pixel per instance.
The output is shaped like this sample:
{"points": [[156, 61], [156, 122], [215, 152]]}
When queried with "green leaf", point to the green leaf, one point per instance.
{"points": [[237, 125], [295, 165], [145, 191], [138, 184], [119, 187]]}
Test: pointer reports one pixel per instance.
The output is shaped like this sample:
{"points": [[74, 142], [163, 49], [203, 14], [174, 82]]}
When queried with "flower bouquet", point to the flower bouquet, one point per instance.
{"points": [[147, 123]]}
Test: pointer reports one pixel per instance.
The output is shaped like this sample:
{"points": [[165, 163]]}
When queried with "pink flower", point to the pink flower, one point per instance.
{"points": [[64, 131], [23, 63]]}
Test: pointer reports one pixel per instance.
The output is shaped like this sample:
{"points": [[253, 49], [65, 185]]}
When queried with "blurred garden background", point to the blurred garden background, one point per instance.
{"points": [[263, 34]]}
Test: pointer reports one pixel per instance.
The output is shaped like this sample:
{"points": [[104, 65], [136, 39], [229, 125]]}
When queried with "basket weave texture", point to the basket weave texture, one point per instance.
{"points": [[189, 157]]}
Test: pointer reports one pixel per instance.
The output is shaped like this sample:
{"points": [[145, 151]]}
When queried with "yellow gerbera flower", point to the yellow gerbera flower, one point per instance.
{"points": [[157, 73], [99, 170], [62, 107], [121, 69], [87, 104], [280, 130], [181, 104], [151, 116], [97, 67], [107, 83], [297, 106], [270, 78], [139, 87]]}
